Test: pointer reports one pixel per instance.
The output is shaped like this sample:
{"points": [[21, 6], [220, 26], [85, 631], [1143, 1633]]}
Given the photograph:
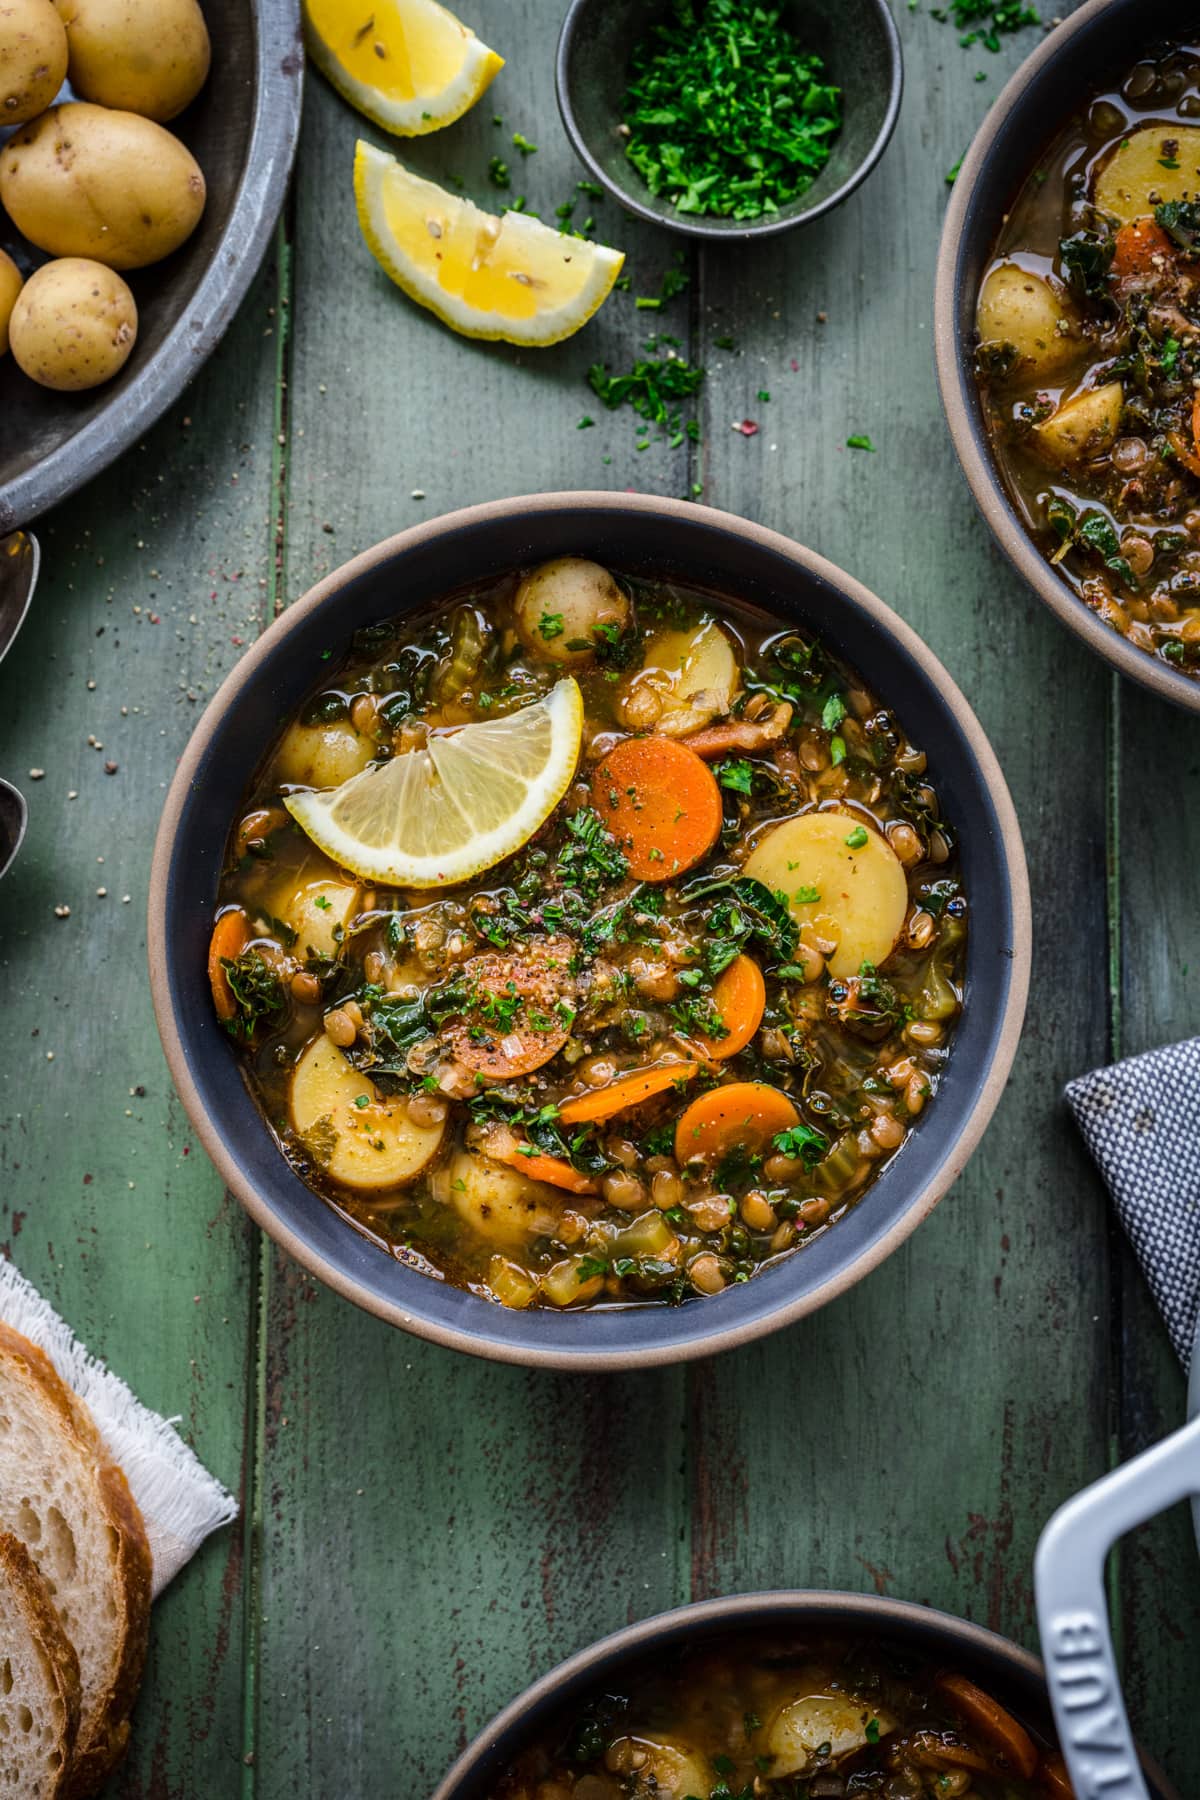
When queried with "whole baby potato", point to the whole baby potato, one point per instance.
{"points": [[84, 181], [143, 56], [33, 58], [10, 286], [74, 324]]}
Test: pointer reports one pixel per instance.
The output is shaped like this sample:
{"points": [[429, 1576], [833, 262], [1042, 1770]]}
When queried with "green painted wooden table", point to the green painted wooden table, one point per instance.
{"points": [[424, 1533]]}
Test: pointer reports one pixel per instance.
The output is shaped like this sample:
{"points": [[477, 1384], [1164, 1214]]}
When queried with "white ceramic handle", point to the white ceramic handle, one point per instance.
{"points": [[1072, 1609]]}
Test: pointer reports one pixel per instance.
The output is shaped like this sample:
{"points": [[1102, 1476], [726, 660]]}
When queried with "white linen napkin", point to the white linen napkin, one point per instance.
{"points": [[180, 1502], [1141, 1121]]}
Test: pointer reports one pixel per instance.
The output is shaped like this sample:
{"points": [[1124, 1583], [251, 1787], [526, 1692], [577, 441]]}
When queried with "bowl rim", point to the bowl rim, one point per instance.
{"points": [[720, 1338], [983, 477], [697, 228], [879, 1611], [236, 258]]}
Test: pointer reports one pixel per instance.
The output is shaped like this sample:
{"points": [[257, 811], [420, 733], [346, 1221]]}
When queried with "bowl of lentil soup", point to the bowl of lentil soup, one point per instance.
{"points": [[1068, 333], [779, 1695], [689, 1053]]}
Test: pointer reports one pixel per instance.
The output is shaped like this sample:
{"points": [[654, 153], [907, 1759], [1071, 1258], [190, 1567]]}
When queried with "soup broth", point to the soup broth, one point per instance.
{"points": [[1089, 354], [677, 1032], [769, 1717]]}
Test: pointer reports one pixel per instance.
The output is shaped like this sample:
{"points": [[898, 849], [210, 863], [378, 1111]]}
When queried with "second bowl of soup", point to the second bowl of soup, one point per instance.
{"points": [[605, 930]]}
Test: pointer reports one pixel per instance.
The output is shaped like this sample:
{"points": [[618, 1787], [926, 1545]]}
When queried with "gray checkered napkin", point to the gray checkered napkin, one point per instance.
{"points": [[1141, 1122]]}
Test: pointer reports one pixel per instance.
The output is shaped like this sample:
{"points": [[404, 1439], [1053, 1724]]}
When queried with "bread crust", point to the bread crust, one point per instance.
{"points": [[29, 1593], [105, 1733]]}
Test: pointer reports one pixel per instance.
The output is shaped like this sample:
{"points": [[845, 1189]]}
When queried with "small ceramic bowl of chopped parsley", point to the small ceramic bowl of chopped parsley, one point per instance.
{"points": [[729, 118]]}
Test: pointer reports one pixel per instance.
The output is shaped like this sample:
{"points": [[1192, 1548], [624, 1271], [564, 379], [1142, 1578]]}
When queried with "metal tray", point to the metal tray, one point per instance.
{"points": [[243, 129]]}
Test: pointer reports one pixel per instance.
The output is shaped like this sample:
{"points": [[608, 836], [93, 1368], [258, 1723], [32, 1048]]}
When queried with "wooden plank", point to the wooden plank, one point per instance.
{"points": [[916, 1435], [1159, 893], [151, 581], [437, 1531]]}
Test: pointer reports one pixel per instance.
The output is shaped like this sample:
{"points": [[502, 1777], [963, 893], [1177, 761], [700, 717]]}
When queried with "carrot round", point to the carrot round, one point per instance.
{"points": [[625, 1091], [661, 803], [991, 1722], [745, 1115], [1137, 245], [545, 1168], [1054, 1780], [739, 1000], [231, 934]]}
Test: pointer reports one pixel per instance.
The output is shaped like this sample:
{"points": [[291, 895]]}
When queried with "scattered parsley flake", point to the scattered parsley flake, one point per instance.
{"points": [[522, 143], [857, 838], [498, 173], [859, 441]]}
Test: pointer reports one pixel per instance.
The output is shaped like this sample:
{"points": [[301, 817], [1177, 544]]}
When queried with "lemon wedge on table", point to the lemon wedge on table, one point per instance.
{"points": [[510, 277], [409, 65], [440, 815]]}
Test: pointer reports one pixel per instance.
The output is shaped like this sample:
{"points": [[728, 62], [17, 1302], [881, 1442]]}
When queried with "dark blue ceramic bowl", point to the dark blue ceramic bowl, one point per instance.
{"points": [[646, 536]]}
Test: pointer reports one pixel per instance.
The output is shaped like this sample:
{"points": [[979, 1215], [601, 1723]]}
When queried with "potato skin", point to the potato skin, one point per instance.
{"points": [[141, 56], [74, 324], [84, 181], [1022, 309], [11, 280], [33, 58]]}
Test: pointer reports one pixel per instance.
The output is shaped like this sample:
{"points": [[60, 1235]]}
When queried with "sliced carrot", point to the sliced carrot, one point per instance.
{"points": [[545, 1168], [739, 1000], [231, 934], [661, 803], [991, 1722], [1184, 452], [744, 1115], [1137, 245], [625, 1091], [1054, 1780]]}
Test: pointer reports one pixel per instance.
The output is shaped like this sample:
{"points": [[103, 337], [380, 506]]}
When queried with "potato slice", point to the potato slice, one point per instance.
{"points": [[806, 1725], [1084, 426], [318, 912], [693, 672], [861, 894], [367, 1145], [670, 1768], [1134, 180], [322, 756], [503, 1205], [1024, 310]]}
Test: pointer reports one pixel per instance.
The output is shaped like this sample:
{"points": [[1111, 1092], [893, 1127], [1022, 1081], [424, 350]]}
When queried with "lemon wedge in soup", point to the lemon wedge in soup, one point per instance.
{"points": [[842, 878], [486, 277], [436, 816], [409, 65]]}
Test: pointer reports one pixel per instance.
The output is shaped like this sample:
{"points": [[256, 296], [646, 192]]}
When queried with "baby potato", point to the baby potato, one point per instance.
{"points": [[322, 755], [501, 1204], [1024, 310], [84, 181], [1084, 426], [1135, 179], [687, 679], [666, 1767], [141, 56], [318, 912], [800, 1731], [560, 606], [11, 279], [359, 1137], [73, 325], [842, 879], [33, 58]]}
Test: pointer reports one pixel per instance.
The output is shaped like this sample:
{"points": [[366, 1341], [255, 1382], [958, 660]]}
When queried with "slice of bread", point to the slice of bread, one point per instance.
{"points": [[71, 1506], [39, 1683]]}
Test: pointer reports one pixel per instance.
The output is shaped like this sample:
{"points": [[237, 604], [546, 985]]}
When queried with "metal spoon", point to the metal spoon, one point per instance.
{"points": [[20, 559]]}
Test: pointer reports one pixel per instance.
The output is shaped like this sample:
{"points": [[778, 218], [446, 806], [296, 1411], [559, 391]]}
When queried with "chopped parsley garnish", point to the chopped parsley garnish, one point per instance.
{"points": [[857, 838], [550, 625], [736, 774], [1086, 259], [522, 143], [807, 895], [653, 388], [833, 712], [498, 173], [727, 113], [859, 441], [803, 1143], [591, 861], [993, 19]]}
